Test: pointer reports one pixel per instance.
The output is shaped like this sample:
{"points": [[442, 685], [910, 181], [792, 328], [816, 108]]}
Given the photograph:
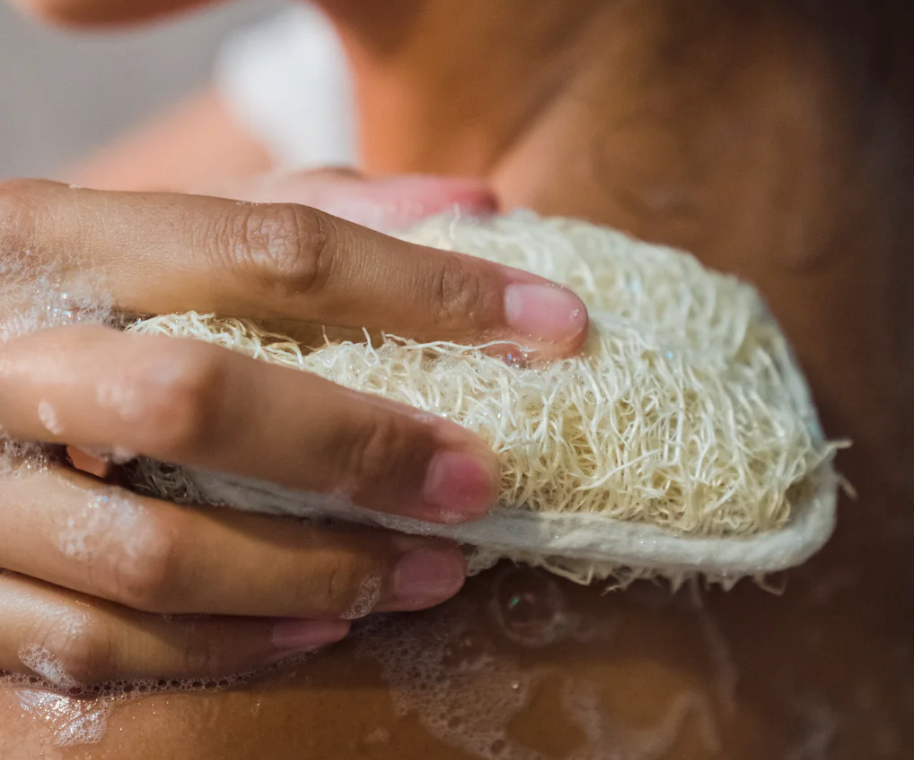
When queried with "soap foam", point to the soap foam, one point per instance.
{"points": [[108, 512], [47, 665], [467, 687], [36, 297], [73, 714], [366, 599], [71, 721], [48, 417]]}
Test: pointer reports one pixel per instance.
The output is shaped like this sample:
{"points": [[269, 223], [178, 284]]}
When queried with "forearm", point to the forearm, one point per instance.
{"points": [[196, 144]]}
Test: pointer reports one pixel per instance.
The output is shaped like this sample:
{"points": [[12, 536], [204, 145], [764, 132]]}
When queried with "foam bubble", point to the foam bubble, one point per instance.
{"points": [[120, 690], [71, 721], [473, 686], [462, 690], [78, 714], [113, 455], [120, 397], [48, 417], [108, 512], [22, 457], [530, 608], [47, 665], [37, 296], [366, 599], [451, 518]]}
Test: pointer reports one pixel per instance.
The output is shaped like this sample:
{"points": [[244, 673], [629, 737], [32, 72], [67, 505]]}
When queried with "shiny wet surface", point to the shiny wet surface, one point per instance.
{"points": [[526, 666]]}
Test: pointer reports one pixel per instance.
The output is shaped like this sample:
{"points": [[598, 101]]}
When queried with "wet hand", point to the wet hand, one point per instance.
{"points": [[109, 584]]}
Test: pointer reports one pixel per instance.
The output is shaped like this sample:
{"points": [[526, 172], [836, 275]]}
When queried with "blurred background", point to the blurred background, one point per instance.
{"points": [[64, 93]]}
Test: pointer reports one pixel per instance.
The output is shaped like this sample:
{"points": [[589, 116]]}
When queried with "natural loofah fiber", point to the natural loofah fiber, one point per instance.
{"points": [[683, 425]]}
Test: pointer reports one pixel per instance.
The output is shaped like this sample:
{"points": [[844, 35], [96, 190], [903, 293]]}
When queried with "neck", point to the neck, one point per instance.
{"points": [[449, 86]]}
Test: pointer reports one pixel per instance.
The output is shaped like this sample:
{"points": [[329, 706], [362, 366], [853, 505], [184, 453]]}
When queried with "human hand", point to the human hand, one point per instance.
{"points": [[104, 12], [93, 569]]}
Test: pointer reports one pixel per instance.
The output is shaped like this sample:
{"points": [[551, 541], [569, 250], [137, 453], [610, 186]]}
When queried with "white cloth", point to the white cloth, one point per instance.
{"points": [[287, 81]]}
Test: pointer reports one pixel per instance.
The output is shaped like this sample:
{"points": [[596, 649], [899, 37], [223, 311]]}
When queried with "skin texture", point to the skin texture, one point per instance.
{"points": [[771, 140]]}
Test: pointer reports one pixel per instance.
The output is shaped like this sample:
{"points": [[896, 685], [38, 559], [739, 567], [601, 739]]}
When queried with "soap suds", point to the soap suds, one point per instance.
{"points": [[122, 398], [42, 662], [71, 714], [48, 417], [36, 297], [109, 513], [113, 454], [468, 688], [70, 721], [366, 599], [21, 457]]}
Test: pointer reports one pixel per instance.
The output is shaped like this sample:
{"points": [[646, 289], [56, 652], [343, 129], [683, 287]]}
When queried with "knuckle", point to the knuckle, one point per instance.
{"points": [[339, 583], [200, 653], [175, 409], [286, 249], [380, 452], [76, 649], [458, 295], [141, 571]]}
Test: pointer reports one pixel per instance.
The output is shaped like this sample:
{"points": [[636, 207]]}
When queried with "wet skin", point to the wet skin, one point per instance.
{"points": [[771, 142]]}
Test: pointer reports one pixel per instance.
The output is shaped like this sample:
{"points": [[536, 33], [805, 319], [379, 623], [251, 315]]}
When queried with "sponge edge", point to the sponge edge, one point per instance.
{"points": [[683, 443], [582, 547]]}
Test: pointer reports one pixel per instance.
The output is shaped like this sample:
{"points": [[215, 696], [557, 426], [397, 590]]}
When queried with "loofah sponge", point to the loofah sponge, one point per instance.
{"points": [[681, 441]]}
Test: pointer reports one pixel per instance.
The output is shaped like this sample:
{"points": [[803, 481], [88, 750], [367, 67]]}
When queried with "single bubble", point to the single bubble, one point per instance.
{"points": [[530, 609]]}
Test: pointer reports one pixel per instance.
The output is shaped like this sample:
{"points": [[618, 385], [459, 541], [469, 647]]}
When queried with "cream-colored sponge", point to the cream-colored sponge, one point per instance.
{"points": [[681, 440]]}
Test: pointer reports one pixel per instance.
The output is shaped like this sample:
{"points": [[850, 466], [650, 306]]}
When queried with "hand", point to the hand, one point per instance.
{"points": [[101, 12], [94, 568]]}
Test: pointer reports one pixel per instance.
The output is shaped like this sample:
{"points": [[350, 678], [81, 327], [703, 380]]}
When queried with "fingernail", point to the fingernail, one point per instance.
{"points": [[304, 635], [458, 487], [427, 577], [544, 312]]}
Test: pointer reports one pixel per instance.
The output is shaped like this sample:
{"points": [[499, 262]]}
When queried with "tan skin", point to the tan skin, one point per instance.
{"points": [[772, 143]]}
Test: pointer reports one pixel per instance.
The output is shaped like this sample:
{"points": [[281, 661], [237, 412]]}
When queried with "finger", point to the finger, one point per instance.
{"points": [[192, 403], [150, 555], [380, 203], [72, 640], [162, 253], [105, 12]]}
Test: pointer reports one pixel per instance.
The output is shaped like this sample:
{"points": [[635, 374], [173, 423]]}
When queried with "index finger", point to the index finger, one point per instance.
{"points": [[165, 252]]}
